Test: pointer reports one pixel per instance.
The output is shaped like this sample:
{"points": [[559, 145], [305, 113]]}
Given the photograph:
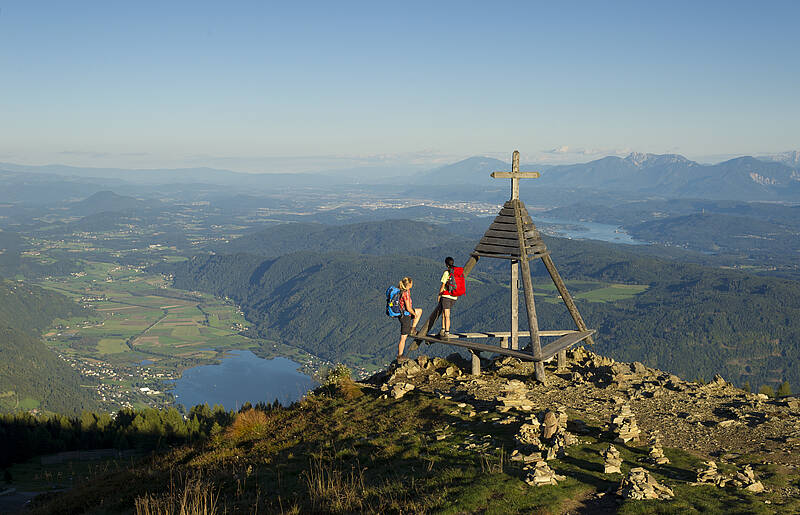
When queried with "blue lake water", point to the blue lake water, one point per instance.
{"points": [[585, 231], [242, 377]]}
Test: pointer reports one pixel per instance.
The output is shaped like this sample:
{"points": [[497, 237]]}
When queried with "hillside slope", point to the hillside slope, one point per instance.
{"points": [[425, 438], [31, 375], [691, 320]]}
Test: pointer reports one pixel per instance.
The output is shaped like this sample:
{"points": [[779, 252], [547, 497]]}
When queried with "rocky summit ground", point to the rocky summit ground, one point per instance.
{"points": [[426, 436]]}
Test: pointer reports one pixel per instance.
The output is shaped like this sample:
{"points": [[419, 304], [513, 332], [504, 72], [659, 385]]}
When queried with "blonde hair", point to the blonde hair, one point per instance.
{"points": [[405, 283]]}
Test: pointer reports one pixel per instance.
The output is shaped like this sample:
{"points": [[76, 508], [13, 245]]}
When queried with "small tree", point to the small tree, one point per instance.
{"points": [[746, 387], [784, 389], [767, 390]]}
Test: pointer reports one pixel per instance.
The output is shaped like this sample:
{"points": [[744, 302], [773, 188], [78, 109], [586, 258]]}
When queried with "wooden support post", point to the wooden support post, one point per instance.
{"points": [[565, 296], [437, 311], [515, 304], [476, 362], [504, 342], [562, 359], [527, 285]]}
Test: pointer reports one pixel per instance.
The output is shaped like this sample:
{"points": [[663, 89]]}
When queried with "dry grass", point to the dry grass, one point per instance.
{"points": [[248, 425], [334, 491], [195, 497]]}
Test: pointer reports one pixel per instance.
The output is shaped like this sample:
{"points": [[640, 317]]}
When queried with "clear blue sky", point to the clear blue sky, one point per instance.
{"points": [[272, 86]]}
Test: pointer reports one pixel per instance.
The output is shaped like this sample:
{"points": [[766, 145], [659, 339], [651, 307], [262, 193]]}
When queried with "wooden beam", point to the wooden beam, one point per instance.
{"points": [[509, 256], [563, 343], [565, 296], [527, 285], [547, 352], [515, 175], [476, 362], [515, 305]]}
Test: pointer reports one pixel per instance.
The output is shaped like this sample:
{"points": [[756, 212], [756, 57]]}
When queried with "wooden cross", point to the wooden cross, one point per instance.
{"points": [[515, 175]]}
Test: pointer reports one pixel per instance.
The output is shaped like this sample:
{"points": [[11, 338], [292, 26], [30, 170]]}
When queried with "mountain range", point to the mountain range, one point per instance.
{"points": [[667, 175], [773, 177]]}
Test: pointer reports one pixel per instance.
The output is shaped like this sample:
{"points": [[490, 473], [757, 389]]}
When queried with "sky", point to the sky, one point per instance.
{"points": [[301, 86]]}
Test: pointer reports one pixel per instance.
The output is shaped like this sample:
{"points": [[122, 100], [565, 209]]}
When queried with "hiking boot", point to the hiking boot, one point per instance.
{"points": [[401, 359], [445, 335], [441, 333], [413, 331]]}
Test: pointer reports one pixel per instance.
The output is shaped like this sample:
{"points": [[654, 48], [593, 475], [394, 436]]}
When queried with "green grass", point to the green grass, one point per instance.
{"points": [[345, 450], [613, 293], [28, 403], [111, 346]]}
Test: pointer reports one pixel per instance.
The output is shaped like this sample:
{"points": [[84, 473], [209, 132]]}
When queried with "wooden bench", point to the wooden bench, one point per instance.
{"points": [[567, 340]]}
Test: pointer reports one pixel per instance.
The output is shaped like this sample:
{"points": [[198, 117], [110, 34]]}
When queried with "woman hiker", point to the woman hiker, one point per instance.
{"points": [[408, 318], [446, 301]]}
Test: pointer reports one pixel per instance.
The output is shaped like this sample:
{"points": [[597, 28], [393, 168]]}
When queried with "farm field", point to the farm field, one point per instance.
{"points": [[590, 291], [140, 332], [138, 317]]}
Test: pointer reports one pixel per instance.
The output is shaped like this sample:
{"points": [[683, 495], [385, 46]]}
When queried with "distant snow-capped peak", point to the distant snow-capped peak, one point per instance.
{"points": [[642, 160]]}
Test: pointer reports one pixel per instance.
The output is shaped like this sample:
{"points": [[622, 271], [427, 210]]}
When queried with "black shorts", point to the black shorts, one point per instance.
{"points": [[406, 321], [447, 303]]}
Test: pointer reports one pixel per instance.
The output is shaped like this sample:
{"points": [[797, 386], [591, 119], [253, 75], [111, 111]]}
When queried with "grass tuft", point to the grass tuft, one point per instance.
{"points": [[187, 496], [248, 425]]}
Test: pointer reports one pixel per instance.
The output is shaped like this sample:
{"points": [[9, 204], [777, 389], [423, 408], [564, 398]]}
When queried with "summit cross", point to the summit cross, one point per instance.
{"points": [[515, 175]]}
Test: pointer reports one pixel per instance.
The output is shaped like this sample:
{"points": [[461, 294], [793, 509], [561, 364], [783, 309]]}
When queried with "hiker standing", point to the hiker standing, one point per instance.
{"points": [[409, 316], [447, 295]]}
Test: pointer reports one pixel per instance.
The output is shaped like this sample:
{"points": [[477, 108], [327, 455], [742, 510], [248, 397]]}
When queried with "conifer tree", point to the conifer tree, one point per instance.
{"points": [[767, 390], [784, 389]]}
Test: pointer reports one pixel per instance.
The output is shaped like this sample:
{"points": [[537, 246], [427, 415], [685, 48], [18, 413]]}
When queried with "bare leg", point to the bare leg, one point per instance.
{"points": [[418, 313], [446, 320], [402, 345]]}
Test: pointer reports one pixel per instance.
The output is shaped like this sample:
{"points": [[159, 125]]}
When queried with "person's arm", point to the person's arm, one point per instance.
{"points": [[408, 306], [445, 277]]}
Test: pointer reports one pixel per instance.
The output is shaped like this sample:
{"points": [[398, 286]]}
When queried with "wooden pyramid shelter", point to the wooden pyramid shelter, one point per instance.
{"points": [[514, 237]]}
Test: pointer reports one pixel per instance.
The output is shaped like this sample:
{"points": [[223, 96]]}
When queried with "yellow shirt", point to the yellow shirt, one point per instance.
{"points": [[445, 277]]}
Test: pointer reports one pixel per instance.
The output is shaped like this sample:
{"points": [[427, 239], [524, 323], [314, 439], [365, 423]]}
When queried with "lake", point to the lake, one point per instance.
{"points": [[585, 231], [242, 377]]}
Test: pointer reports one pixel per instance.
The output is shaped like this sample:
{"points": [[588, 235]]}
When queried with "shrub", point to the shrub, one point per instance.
{"points": [[248, 425]]}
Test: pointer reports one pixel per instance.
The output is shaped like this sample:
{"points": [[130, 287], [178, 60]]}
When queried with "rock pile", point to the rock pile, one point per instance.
{"points": [[710, 475], [400, 389], [515, 396], [624, 425], [611, 460], [542, 475], [656, 452], [745, 478], [546, 434], [639, 484]]}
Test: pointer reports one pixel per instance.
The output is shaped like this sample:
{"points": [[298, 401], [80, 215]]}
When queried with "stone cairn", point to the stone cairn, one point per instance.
{"points": [[542, 475], [612, 461], [639, 484], [710, 475], [516, 396], [656, 452], [745, 478], [624, 425], [545, 436]]}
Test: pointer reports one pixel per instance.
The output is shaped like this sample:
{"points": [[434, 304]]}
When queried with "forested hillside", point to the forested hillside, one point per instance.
{"points": [[384, 237], [691, 320], [32, 376]]}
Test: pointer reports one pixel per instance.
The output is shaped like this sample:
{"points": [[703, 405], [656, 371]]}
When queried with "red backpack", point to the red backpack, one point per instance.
{"points": [[455, 285]]}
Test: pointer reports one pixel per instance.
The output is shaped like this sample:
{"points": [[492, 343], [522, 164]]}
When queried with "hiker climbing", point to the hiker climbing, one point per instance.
{"points": [[452, 287], [407, 314]]}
